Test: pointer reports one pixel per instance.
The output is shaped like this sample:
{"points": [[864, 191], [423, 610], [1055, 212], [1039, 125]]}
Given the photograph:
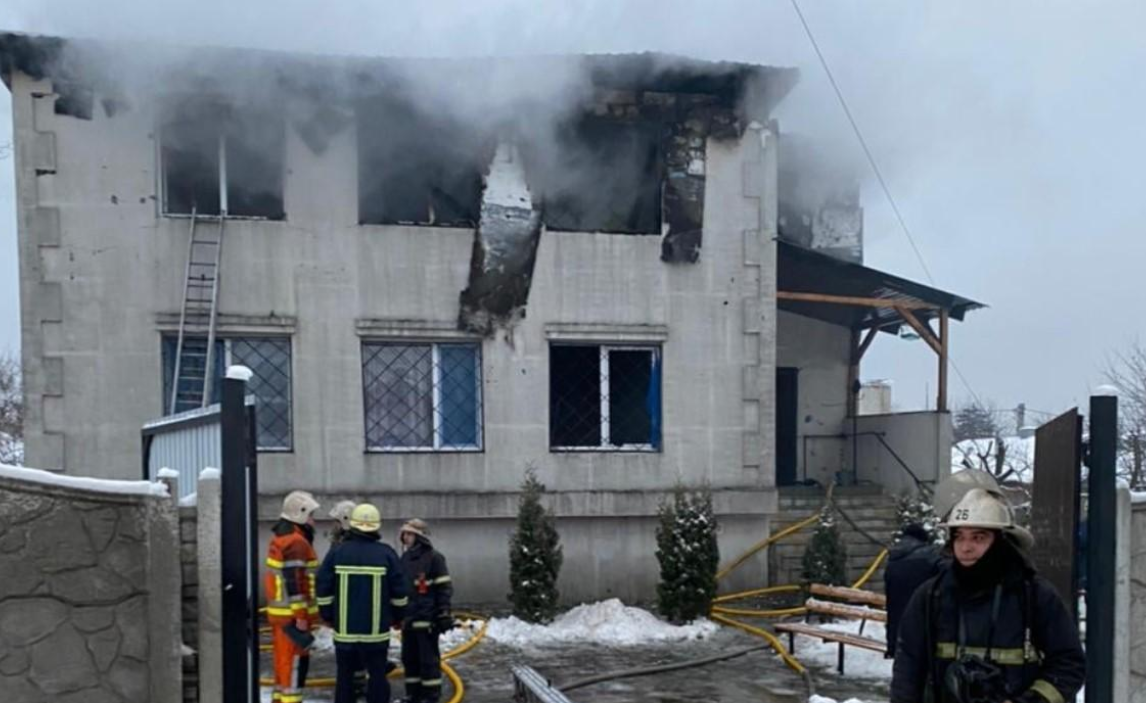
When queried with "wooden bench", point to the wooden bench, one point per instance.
{"points": [[871, 606]]}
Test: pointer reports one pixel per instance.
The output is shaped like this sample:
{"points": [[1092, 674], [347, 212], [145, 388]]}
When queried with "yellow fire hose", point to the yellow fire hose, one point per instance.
{"points": [[455, 680], [720, 613], [764, 543]]}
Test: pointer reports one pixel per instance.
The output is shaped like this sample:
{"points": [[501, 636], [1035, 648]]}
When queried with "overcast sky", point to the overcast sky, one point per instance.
{"points": [[1010, 134]]}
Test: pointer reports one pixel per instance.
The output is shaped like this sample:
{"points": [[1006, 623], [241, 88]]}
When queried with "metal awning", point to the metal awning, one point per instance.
{"points": [[819, 286]]}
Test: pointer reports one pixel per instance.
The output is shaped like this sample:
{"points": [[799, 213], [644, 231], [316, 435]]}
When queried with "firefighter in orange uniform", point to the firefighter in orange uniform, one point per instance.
{"points": [[290, 592]]}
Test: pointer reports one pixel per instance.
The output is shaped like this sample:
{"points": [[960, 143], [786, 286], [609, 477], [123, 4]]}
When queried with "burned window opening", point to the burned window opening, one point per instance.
{"points": [[417, 169], [606, 177], [218, 160]]}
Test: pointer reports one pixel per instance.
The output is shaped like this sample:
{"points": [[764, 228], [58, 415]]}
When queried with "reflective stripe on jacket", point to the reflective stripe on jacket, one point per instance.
{"points": [[429, 582], [289, 583], [1034, 640], [361, 589]]}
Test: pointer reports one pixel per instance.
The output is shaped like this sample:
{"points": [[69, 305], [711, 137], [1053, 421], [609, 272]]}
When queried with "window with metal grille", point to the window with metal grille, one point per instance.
{"points": [[269, 360], [604, 397], [422, 397]]}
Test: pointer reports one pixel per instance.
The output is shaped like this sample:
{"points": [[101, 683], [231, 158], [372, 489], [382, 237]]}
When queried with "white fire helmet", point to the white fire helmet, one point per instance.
{"points": [[984, 510], [298, 506], [341, 512]]}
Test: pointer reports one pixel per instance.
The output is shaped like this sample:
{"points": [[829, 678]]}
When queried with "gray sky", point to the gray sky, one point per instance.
{"points": [[1010, 135]]}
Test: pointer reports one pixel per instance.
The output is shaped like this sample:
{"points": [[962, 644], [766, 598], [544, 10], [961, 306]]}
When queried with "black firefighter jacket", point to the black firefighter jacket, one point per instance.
{"points": [[1049, 666], [361, 590], [429, 584], [912, 562]]}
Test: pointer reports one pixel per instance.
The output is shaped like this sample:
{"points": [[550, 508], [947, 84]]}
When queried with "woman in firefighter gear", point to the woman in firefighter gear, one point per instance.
{"points": [[428, 615], [340, 513], [362, 594], [988, 629], [289, 588]]}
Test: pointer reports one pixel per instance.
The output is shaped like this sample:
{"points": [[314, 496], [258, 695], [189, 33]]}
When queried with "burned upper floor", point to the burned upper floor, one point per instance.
{"points": [[611, 143]]}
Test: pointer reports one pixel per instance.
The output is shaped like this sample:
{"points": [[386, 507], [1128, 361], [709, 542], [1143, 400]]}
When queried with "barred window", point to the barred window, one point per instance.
{"points": [[269, 359], [604, 398], [422, 397]]}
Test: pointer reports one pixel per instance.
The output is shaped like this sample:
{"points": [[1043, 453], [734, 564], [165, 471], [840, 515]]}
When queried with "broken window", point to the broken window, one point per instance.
{"points": [[418, 169], [269, 359], [422, 397], [217, 159], [605, 177], [604, 397]]}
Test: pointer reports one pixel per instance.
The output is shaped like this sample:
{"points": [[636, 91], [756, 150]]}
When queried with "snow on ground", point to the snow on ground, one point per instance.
{"points": [[466, 629], [609, 622], [143, 488], [858, 663]]}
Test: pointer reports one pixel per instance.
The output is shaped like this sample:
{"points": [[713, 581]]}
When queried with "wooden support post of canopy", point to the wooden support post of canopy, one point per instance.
{"points": [[937, 342], [941, 403], [858, 349]]}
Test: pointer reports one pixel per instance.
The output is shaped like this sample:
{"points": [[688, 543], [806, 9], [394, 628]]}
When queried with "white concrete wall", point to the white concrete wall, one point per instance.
{"points": [[921, 439], [101, 271], [1130, 627], [820, 351]]}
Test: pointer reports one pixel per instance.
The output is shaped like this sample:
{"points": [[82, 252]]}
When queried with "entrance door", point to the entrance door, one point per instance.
{"points": [[787, 410]]}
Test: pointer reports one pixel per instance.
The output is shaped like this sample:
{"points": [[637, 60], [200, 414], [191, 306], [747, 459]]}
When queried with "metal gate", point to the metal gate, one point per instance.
{"points": [[222, 436]]}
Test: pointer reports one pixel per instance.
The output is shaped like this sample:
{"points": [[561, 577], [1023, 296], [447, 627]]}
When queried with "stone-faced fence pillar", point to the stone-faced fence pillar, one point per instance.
{"points": [[210, 588]]}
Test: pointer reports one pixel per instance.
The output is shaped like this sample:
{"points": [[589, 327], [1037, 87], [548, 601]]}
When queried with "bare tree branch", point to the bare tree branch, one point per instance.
{"points": [[1126, 370]]}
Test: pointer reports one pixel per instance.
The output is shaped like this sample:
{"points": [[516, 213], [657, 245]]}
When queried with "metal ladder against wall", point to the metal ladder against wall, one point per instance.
{"points": [[195, 349]]}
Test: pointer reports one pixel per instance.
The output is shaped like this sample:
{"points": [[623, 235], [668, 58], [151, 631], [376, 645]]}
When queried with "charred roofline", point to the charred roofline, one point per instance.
{"points": [[39, 56]]}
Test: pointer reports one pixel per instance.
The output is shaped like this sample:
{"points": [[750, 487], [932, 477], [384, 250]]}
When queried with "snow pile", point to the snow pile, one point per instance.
{"points": [[458, 636], [189, 501], [858, 663], [822, 699], [140, 488], [609, 622]]}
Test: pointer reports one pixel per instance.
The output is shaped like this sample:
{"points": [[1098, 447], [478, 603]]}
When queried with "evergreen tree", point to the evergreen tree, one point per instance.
{"points": [[976, 421], [911, 508], [534, 556], [825, 559], [688, 554]]}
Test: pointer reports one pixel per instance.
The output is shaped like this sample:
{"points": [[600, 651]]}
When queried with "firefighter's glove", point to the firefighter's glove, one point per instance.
{"points": [[301, 638], [443, 624]]}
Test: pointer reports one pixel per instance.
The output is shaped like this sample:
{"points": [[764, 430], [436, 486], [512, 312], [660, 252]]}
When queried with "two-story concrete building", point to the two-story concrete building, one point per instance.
{"points": [[610, 268]]}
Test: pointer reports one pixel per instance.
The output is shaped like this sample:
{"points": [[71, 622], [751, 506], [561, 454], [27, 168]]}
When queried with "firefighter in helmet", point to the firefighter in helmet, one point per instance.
{"points": [[362, 594], [988, 629], [429, 613], [289, 590], [340, 513]]}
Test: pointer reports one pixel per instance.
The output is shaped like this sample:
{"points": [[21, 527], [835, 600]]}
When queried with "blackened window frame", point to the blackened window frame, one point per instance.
{"points": [[604, 350], [436, 431], [224, 116], [578, 135], [454, 145]]}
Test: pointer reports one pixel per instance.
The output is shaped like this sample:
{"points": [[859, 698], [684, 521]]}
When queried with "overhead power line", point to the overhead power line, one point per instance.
{"points": [[863, 142], [878, 174]]}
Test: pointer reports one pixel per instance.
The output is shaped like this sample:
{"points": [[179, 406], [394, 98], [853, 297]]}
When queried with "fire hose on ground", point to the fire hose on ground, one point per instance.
{"points": [[450, 673], [720, 614]]}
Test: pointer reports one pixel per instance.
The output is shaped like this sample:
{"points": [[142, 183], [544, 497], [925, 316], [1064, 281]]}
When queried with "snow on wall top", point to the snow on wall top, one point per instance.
{"points": [[99, 485]]}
